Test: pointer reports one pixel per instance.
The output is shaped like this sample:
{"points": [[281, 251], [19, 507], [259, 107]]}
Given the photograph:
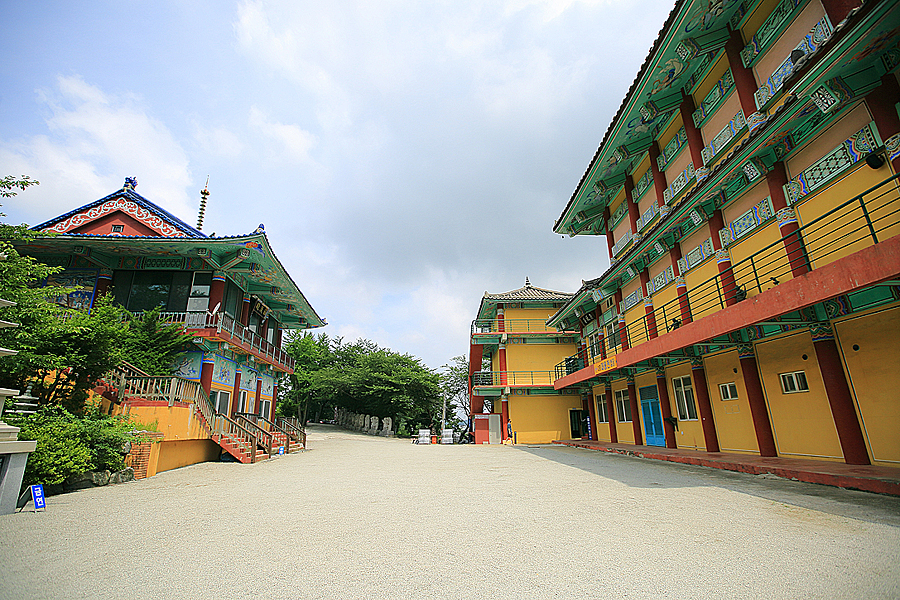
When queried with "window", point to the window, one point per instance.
{"points": [[791, 383], [684, 398], [602, 417], [593, 341], [623, 406], [220, 400], [145, 290], [728, 391], [118, 228], [612, 334]]}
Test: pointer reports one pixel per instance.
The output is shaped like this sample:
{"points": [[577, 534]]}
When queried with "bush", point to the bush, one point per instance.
{"points": [[69, 445]]}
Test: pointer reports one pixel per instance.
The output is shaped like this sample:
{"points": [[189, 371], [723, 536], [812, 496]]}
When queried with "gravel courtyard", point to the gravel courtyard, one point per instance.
{"points": [[363, 517]]}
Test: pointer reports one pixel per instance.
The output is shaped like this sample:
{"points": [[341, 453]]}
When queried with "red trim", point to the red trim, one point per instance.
{"points": [[659, 177], [666, 407], [864, 268], [633, 212], [635, 414], [611, 413], [759, 412], [841, 401], [694, 137], [701, 389], [744, 81]]}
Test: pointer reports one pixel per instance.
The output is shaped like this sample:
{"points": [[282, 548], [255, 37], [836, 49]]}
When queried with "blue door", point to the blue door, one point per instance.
{"points": [[653, 426]]}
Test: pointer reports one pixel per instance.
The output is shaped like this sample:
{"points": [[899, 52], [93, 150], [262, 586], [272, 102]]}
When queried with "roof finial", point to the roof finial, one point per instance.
{"points": [[130, 183], [204, 195], [527, 283]]}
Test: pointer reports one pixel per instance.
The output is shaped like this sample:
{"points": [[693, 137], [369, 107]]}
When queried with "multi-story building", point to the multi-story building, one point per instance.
{"points": [[748, 193], [232, 293], [515, 400]]}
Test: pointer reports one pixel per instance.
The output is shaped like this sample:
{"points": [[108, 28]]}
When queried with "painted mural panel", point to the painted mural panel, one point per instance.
{"points": [[268, 385], [188, 366], [248, 379], [81, 283], [223, 371]]}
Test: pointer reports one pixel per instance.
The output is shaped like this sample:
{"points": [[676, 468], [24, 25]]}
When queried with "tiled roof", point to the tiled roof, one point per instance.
{"points": [[530, 293]]}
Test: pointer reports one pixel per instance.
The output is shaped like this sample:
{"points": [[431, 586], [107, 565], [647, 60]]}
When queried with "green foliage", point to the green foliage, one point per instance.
{"points": [[153, 346], [9, 184], [455, 389], [69, 445], [362, 378]]}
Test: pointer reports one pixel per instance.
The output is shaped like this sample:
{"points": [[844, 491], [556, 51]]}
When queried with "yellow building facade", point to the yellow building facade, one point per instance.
{"points": [[749, 195]]}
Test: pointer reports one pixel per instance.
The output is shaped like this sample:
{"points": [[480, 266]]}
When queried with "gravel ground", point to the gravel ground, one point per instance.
{"points": [[363, 517]]}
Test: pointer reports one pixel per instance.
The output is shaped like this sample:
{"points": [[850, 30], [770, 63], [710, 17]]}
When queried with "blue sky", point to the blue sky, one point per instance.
{"points": [[405, 157]]}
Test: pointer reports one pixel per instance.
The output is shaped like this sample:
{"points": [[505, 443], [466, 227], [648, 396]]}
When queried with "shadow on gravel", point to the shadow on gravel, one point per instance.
{"points": [[647, 473]]}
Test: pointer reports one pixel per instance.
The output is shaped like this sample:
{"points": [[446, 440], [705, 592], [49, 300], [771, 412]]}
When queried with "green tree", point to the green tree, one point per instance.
{"points": [[153, 346]]}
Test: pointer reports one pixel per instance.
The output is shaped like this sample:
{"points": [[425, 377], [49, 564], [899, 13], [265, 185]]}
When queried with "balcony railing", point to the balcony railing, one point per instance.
{"points": [[511, 326], [511, 378], [860, 222], [569, 365], [238, 333]]}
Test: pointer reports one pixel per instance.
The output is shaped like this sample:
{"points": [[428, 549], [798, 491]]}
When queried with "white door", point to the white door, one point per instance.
{"points": [[494, 429]]}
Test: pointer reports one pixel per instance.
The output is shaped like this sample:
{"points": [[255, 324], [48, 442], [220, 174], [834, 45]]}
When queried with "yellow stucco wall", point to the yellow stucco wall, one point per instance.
{"points": [[773, 264], [597, 393], [181, 453], [706, 300], [537, 357], [874, 375], [690, 433], [623, 430], [802, 422], [174, 422], [542, 419], [734, 422]]}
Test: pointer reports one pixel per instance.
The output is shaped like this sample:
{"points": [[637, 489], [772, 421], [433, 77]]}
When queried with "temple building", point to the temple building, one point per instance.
{"points": [[513, 399], [231, 292], [747, 189]]}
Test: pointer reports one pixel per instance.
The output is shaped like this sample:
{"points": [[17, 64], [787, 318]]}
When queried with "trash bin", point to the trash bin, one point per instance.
{"points": [[434, 439]]}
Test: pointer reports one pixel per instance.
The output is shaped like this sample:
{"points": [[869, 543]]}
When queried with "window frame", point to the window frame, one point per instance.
{"points": [[725, 390], [602, 415], [798, 389], [685, 410], [623, 406]]}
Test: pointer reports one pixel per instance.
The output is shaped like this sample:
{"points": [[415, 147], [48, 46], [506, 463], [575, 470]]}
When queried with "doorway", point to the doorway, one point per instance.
{"points": [[579, 423], [653, 425]]}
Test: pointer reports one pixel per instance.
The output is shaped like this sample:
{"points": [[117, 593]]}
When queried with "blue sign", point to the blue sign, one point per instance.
{"points": [[37, 494], [280, 449]]}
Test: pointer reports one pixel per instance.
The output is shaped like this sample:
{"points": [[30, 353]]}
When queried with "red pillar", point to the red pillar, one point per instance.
{"points": [[776, 177], [680, 286], [659, 178], [762, 426], [723, 259], [245, 310], [592, 415], [881, 103], [837, 10], [271, 415], [694, 136], [648, 305], [611, 413], [840, 399], [104, 279], [633, 213], [704, 407], [236, 393], [609, 234], [504, 417], [256, 403], [666, 407], [635, 414], [206, 373], [217, 291], [601, 341], [744, 80], [501, 351]]}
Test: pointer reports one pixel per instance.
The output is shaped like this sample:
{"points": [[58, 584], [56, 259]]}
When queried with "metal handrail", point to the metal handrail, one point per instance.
{"points": [[512, 378], [264, 437], [856, 223], [511, 326]]}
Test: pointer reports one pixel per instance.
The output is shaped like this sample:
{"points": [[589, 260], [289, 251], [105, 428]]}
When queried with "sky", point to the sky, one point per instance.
{"points": [[404, 156]]}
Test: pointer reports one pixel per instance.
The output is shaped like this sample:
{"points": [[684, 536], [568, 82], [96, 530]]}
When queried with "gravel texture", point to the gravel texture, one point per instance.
{"points": [[365, 517]]}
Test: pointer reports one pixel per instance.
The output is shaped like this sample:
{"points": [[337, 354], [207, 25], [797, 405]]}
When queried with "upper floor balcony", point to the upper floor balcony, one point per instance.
{"points": [[484, 381], [240, 338], [826, 255]]}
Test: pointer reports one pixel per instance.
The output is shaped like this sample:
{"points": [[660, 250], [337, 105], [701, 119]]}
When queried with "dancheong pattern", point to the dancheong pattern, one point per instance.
{"points": [[119, 204]]}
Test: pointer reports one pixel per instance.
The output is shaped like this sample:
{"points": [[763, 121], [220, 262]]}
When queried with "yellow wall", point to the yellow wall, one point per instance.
{"points": [[734, 422], [706, 300], [537, 357], [175, 422], [529, 313], [802, 422], [773, 264], [689, 433], [597, 393], [874, 376], [623, 430], [542, 419], [781, 49], [181, 453]]}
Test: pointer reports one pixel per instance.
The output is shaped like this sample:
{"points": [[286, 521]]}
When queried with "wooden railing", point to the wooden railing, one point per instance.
{"points": [[236, 432], [263, 437], [294, 428]]}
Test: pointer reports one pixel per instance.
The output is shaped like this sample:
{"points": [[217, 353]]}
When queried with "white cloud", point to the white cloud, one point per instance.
{"points": [[217, 141], [93, 141], [293, 142]]}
